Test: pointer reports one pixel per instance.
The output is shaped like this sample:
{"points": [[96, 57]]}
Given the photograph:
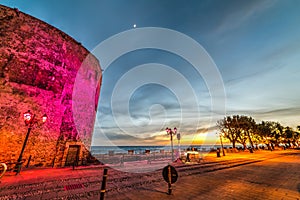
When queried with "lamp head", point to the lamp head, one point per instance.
{"points": [[28, 116], [168, 130], [175, 130]]}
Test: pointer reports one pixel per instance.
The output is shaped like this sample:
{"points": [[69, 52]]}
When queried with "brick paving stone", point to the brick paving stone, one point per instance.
{"points": [[62, 193], [49, 196]]}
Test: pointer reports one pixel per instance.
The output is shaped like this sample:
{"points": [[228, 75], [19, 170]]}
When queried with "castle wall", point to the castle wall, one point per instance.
{"points": [[46, 71]]}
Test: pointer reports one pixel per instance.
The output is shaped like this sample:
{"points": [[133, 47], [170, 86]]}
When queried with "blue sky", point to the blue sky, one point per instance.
{"points": [[255, 46]]}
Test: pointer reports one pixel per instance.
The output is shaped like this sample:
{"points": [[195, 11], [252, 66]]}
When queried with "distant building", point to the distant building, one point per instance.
{"points": [[46, 71]]}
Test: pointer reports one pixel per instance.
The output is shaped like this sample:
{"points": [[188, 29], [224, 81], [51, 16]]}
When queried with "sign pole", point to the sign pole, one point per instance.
{"points": [[170, 180], [170, 175]]}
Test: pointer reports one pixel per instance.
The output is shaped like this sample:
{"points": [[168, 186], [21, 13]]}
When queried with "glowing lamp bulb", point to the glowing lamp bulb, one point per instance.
{"points": [[168, 130], [27, 117], [44, 118]]}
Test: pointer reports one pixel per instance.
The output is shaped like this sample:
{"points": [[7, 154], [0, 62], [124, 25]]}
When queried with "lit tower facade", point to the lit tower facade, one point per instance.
{"points": [[47, 72]]}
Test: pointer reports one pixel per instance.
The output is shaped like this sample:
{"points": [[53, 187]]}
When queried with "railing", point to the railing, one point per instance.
{"points": [[4, 169]]}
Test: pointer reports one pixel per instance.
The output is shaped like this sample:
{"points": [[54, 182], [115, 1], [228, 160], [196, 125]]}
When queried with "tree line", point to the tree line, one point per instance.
{"points": [[239, 129]]}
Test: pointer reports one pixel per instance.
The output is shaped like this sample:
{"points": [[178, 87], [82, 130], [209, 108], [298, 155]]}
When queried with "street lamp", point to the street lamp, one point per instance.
{"points": [[171, 133], [29, 119]]}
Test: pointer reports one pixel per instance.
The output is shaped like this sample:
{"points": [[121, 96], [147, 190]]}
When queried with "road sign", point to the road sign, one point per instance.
{"points": [[170, 174]]}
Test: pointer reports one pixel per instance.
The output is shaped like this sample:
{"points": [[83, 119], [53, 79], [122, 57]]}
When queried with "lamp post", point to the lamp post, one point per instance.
{"points": [[171, 133], [222, 144], [29, 120], [178, 138]]}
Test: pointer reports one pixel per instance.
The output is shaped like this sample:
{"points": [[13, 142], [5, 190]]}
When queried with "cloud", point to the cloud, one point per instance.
{"points": [[239, 14], [279, 114], [285, 48], [254, 75], [116, 136]]}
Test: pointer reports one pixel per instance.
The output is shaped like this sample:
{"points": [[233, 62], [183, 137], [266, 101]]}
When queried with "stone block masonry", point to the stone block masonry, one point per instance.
{"points": [[39, 66]]}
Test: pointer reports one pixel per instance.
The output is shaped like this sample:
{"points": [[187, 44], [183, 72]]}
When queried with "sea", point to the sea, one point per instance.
{"points": [[153, 149]]}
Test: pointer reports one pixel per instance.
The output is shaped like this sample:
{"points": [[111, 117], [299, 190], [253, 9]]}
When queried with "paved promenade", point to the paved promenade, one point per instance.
{"points": [[270, 179], [261, 175]]}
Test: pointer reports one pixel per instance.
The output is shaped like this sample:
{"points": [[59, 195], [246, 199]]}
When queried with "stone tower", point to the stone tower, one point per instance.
{"points": [[47, 72]]}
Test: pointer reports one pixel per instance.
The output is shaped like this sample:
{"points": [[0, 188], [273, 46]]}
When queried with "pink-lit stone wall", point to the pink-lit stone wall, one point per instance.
{"points": [[39, 66]]}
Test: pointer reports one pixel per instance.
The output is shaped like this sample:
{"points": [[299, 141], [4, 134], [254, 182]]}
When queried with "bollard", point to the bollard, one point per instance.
{"points": [[103, 186], [251, 150], [218, 153]]}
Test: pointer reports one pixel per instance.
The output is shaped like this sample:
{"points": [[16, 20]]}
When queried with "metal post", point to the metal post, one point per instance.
{"points": [[178, 138], [170, 181], [222, 145], [172, 146], [19, 162], [103, 186], [122, 161]]}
